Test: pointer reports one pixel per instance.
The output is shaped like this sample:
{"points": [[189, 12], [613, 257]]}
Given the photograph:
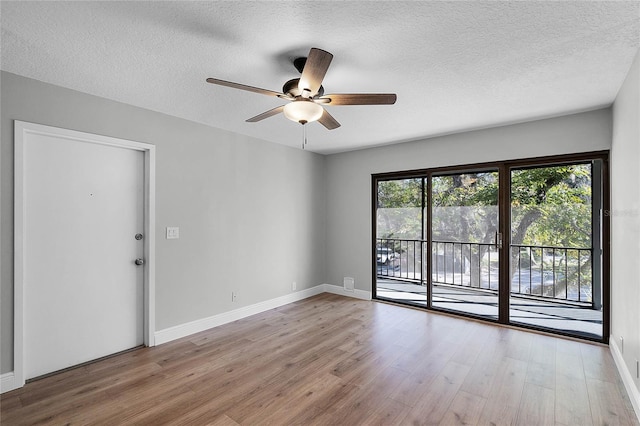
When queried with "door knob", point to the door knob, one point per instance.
{"points": [[139, 262]]}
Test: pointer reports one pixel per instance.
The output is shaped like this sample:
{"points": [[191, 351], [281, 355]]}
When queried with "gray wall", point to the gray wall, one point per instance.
{"points": [[255, 216], [625, 220], [349, 175], [250, 212]]}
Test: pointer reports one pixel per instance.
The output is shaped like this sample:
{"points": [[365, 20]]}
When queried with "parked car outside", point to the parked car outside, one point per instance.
{"points": [[386, 256]]}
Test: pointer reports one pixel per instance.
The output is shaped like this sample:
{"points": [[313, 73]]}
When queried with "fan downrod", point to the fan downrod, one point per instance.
{"points": [[299, 63]]}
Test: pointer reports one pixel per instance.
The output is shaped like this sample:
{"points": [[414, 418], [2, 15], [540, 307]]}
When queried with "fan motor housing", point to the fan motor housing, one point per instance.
{"points": [[291, 88]]}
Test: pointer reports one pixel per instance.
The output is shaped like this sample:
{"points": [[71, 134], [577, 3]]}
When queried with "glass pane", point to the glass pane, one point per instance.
{"points": [[552, 280], [399, 241], [464, 256]]}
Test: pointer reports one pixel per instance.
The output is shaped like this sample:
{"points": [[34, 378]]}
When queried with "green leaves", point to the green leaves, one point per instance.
{"points": [[562, 197], [399, 212], [550, 206], [465, 207], [400, 193]]}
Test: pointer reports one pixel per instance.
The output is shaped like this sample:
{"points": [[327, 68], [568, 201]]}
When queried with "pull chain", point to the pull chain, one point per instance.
{"points": [[304, 135]]}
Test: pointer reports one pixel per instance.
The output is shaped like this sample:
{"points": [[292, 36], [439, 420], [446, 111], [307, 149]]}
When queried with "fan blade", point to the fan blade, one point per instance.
{"points": [[358, 99], [328, 121], [245, 87], [266, 114], [314, 70]]}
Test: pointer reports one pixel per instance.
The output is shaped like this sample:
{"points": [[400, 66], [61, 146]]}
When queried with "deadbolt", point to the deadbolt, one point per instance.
{"points": [[139, 236], [139, 262]]}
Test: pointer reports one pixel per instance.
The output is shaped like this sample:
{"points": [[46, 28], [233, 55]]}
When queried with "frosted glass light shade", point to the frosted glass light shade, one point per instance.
{"points": [[303, 111]]}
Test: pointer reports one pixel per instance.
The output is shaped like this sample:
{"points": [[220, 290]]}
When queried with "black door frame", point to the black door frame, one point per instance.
{"points": [[504, 170]]}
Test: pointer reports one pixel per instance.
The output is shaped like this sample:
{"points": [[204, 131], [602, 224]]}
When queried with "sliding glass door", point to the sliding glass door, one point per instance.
{"points": [[555, 256], [464, 242], [517, 242], [399, 241]]}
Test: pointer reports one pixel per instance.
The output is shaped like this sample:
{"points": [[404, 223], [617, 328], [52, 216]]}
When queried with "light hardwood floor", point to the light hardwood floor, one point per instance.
{"points": [[331, 360]]}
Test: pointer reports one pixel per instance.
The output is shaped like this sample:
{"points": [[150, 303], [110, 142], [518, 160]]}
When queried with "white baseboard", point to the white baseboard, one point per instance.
{"points": [[8, 382], [627, 378], [358, 294], [187, 329]]}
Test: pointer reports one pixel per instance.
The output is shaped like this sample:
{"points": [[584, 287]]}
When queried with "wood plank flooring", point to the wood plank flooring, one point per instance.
{"points": [[331, 360]]}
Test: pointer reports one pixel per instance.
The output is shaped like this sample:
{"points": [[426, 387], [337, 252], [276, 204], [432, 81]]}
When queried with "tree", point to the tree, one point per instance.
{"points": [[400, 209], [465, 210], [550, 206]]}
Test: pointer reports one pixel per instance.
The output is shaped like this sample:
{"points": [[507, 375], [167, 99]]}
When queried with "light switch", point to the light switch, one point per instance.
{"points": [[173, 232]]}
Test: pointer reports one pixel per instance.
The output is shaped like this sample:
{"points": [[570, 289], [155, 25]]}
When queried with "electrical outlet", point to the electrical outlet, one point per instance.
{"points": [[621, 344], [234, 296], [294, 285]]}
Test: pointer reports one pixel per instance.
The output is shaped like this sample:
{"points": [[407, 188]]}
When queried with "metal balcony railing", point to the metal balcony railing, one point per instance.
{"points": [[552, 272], [558, 273], [400, 259]]}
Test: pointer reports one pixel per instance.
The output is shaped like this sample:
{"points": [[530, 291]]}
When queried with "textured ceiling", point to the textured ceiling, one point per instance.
{"points": [[455, 65]]}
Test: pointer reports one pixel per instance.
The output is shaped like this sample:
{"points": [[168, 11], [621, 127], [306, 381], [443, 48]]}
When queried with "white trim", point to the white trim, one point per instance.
{"points": [[150, 246], [358, 294], [8, 382], [187, 329], [627, 378], [21, 130], [18, 255]]}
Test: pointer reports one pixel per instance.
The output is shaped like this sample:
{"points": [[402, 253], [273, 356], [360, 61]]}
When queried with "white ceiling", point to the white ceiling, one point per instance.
{"points": [[455, 66]]}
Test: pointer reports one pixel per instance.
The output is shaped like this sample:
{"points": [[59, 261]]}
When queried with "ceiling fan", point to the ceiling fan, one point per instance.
{"points": [[306, 94]]}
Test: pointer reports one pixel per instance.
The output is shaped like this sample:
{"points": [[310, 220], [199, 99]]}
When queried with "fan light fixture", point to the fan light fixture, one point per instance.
{"points": [[305, 95], [303, 111]]}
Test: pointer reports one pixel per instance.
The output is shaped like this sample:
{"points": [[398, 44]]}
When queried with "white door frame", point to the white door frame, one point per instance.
{"points": [[21, 130]]}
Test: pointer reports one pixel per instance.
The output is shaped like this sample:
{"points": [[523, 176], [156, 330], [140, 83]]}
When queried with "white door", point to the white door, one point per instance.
{"points": [[83, 293]]}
